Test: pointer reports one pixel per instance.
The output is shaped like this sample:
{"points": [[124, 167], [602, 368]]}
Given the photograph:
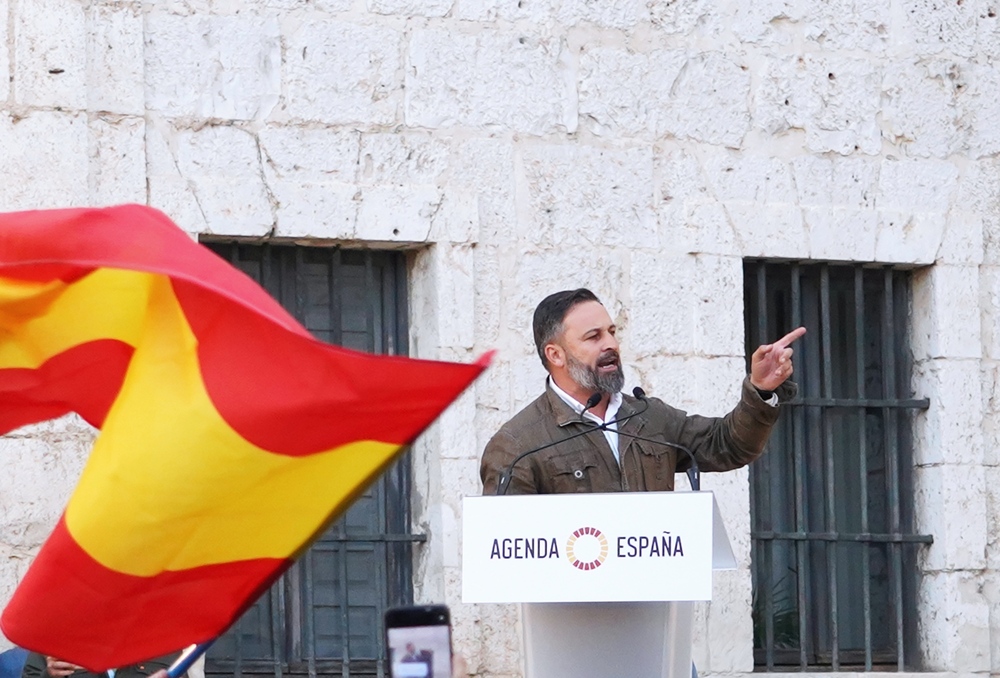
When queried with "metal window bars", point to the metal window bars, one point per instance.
{"points": [[833, 548]]}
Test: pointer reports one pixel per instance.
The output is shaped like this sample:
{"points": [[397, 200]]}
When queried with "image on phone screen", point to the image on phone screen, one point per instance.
{"points": [[420, 651]]}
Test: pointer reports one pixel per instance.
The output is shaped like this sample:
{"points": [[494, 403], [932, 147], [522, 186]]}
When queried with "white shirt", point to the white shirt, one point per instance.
{"points": [[611, 432]]}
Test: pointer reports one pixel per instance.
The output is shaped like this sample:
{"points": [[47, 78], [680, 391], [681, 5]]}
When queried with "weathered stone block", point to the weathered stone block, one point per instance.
{"points": [[42, 466], [493, 78], [950, 430], [979, 193], [410, 8], [662, 306], [118, 160], [850, 182], [962, 242], [485, 168], [848, 25], [946, 314], [226, 67], [13, 565], [954, 622], [920, 113], [989, 289], [826, 227], [5, 39], [835, 99], [719, 309], [769, 230], [698, 228], [461, 478], [303, 209], [50, 53], [341, 73], [933, 27], [312, 175], [991, 475], [115, 74], [311, 154], [731, 489], [748, 177], [454, 307], [767, 22], [990, 385], [588, 195], [627, 93], [397, 213], [977, 105], [700, 17], [402, 159], [711, 100], [622, 14], [916, 186], [222, 166], [678, 175], [33, 146], [951, 504], [909, 238], [730, 627], [533, 12]]}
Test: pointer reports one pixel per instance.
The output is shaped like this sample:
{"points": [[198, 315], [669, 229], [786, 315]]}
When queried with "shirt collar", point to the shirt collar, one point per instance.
{"points": [[613, 404]]}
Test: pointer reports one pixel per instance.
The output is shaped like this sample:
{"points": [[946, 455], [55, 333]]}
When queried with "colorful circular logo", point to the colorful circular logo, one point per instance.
{"points": [[587, 548]]}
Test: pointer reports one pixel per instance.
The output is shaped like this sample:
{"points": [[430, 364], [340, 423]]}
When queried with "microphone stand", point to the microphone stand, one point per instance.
{"points": [[503, 483], [693, 472]]}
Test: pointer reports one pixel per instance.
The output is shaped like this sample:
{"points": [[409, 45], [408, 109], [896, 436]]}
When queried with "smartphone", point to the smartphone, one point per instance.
{"points": [[419, 641]]}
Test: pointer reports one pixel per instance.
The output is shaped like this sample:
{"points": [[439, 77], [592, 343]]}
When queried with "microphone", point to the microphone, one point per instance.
{"points": [[503, 483], [693, 473], [591, 402]]}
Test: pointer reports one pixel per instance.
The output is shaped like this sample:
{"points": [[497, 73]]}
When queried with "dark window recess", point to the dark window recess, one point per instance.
{"points": [[324, 616], [833, 546]]}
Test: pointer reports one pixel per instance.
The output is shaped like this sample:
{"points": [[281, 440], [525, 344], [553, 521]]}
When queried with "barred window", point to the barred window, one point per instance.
{"points": [[833, 544], [324, 616]]}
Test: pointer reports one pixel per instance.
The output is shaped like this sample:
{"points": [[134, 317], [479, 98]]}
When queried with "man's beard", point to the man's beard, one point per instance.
{"points": [[591, 379]]}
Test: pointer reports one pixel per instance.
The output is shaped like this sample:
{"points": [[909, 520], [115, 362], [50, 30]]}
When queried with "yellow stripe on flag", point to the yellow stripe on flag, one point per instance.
{"points": [[41, 319]]}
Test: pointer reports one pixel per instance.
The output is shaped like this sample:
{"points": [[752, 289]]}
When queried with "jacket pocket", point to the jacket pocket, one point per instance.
{"points": [[658, 463], [571, 472]]}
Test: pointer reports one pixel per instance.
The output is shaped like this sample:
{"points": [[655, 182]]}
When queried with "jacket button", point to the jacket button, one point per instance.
{"points": [[578, 474]]}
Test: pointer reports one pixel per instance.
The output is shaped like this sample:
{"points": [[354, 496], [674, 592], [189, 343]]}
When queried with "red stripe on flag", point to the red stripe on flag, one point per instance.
{"points": [[84, 379], [307, 396], [192, 605]]}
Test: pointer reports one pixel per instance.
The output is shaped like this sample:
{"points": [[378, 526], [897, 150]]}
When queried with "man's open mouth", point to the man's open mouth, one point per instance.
{"points": [[608, 361]]}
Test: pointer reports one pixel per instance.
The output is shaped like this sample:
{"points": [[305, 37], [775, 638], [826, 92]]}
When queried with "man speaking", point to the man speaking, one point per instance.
{"points": [[583, 435]]}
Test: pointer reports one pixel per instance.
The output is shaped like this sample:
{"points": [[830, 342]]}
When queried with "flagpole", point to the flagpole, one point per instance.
{"points": [[187, 658]]}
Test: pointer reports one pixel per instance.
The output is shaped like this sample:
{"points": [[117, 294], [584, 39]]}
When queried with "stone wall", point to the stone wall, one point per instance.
{"points": [[638, 147]]}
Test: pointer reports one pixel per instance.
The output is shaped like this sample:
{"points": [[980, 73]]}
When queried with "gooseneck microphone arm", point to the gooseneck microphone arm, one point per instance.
{"points": [[503, 483], [693, 473]]}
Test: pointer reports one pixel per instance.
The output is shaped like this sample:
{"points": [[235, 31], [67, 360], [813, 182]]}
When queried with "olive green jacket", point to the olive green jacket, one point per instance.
{"points": [[586, 464]]}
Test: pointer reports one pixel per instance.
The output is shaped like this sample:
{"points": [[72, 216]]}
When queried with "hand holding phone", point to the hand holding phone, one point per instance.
{"points": [[419, 641]]}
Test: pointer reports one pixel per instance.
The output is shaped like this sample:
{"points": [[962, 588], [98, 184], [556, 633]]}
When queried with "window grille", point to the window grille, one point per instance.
{"points": [[324, 616], [833, 544]]}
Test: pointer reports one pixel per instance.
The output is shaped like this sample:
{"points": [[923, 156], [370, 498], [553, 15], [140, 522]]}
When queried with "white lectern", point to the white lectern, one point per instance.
{"points": [[607, 581]]}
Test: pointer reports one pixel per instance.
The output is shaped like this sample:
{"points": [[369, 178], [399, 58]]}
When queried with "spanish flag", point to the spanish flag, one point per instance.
{"points": [[229, 437]]}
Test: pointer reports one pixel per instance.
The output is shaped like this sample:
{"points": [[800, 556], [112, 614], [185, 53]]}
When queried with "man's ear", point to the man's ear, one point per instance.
{"points": [[555, 354]]}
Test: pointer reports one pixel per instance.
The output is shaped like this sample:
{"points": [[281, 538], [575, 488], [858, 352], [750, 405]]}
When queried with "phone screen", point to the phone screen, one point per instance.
{"points": [[422, 650]]}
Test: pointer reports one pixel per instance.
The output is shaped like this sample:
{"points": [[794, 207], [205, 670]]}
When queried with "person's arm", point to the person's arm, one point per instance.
{"points": [[500, 452]]}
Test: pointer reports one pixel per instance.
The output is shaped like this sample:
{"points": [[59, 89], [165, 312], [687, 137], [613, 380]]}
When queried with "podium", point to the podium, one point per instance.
{"points": [[607, 582]]}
